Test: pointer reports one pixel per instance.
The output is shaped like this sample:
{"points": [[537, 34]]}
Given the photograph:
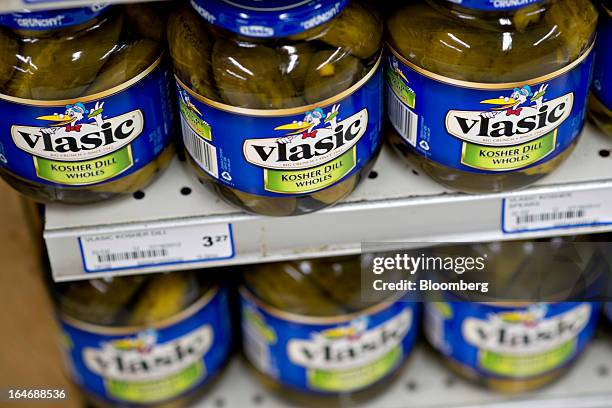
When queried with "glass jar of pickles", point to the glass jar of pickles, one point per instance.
{"points": [[510, 347], [147, 340], [280, 101], [489, 96], [528, 329], [84, 95], [307, 331]]}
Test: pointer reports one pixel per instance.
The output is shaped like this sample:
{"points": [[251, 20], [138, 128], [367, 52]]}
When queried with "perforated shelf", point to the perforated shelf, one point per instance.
{"points": [[425, 382], [395, 203]]}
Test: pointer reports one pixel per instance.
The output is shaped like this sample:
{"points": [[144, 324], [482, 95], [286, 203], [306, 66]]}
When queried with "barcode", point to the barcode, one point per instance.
{"points": [[256, 348], [132, 255], [402, 118], [550, 216], [200, 150]]}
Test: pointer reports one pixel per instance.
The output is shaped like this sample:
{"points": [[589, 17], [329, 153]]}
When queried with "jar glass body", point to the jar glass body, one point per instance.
{"points": [[526, 298], [600, 103], [321, 301], [484, 48], [290, 77], [121, 319], [86, 64], [460, 316]]}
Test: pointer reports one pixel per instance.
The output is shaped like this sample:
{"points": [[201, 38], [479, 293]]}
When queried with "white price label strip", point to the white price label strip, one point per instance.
{"points": [[538, 212], [156, 246]]}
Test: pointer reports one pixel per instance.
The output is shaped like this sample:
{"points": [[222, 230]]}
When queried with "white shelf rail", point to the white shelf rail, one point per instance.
{"points": [[398, 204]]}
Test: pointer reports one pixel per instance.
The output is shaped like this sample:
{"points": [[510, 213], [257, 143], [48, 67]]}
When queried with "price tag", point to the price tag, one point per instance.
{"points": [[140, 248], [538, 212]]}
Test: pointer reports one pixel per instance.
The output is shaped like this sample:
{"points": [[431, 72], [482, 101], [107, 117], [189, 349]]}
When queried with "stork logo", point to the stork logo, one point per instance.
{"points": [[350, 346], [528, 332], [142, 359], [80, 133], [522, 116], [317, 139]]}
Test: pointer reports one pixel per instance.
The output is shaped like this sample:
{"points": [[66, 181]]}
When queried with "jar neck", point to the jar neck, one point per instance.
{"points": [[84, 24], [491, 17]]}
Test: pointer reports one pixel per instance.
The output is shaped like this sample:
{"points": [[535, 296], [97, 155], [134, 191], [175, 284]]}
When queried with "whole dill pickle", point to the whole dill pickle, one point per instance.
{"points": [[163, 296], [357, 29], [99, 301], [295, 62], [265, 205], [338, 192], [131, 60], [191, 50], [251, 77], [64, 76], [145, 21], [331, 73]]}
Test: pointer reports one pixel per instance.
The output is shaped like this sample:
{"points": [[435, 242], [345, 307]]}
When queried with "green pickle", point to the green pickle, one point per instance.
{"points": [[295, 61], [329, 75], [484, 47], [126, 63], [323, 291], [71, 63], [132, 306], [191, 46], [318, 287], [54, 54], [290, 72], [269, 89]]}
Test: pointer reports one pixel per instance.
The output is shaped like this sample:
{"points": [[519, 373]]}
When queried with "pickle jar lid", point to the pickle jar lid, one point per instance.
{"points": [[493, 5], [269, 18], [51, 19]]}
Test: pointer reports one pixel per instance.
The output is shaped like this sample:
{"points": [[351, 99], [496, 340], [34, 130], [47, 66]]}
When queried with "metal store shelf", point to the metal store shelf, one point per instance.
{"points": [[397, 205], [426, 383]]}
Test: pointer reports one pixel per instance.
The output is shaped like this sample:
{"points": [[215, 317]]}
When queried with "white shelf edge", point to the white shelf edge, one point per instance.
{"points": [[434, 386], [406, 208]]}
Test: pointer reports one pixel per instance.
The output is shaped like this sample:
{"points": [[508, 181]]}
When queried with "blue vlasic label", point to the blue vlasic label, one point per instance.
{"points": [[151, 364], [510, 342], [269, 19], [494, 5], [90, 140], [285, 152], [602, 73], [328, 355], [608, 310], [51, 19], [487, 128]]}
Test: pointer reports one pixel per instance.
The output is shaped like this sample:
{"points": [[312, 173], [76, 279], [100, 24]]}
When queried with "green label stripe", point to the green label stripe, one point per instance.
{"points": [[509, 157], [196, 123], [352, 379], [527, 365], [85, 172], [158, 390], [313, 179], [403, 91]]}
